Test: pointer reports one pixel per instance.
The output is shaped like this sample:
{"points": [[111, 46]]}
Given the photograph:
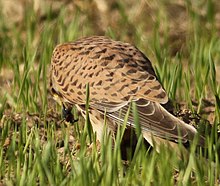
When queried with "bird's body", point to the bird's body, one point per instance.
{"points": [[117, 74]]}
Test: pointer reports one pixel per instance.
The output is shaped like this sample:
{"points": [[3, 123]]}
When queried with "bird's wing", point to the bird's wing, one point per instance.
{"points": [[155, 119]]}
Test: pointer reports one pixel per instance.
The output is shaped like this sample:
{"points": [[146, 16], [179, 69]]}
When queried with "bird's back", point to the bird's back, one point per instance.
{"points": [[115, 71]]}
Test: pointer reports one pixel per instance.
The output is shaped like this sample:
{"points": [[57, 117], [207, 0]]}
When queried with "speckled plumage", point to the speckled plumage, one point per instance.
{"points": [[117, 73]]}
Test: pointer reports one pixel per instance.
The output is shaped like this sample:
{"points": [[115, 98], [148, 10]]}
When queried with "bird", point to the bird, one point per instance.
{"points": [[118, 74]]}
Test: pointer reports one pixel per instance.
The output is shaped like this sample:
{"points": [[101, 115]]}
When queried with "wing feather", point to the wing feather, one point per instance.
{"points": [[155, 119]]}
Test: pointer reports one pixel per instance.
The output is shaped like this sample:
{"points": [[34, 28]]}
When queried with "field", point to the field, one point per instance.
{"points": [[37, 147]]}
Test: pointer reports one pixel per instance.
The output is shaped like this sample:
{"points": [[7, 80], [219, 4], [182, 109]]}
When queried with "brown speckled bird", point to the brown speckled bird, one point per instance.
{"points": [[117, 73]]}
